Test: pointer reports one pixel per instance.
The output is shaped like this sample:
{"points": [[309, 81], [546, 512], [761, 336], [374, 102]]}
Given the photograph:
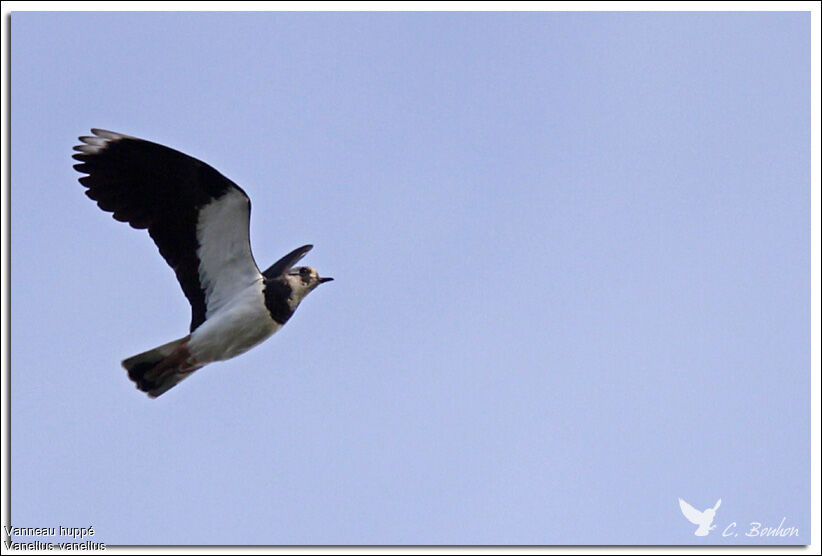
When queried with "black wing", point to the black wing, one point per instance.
{"points": [[197, 217]]}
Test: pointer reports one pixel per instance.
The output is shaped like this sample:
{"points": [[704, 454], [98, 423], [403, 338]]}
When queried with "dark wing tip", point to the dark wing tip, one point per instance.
{"points": [[93, 145]]}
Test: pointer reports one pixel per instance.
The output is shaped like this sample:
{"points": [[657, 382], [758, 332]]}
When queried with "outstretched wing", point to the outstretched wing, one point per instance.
{"points": [[197, 217], [692, 514]]}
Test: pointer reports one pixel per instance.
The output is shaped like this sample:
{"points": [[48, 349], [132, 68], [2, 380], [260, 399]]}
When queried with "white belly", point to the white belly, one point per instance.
{"points": [[237, 327]]}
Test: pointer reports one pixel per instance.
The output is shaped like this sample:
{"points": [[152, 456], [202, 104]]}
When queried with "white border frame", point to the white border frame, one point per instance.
{"points": [[816, 198]]}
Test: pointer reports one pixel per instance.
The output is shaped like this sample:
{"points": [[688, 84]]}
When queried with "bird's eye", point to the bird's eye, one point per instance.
{"points": [[303, 271]]}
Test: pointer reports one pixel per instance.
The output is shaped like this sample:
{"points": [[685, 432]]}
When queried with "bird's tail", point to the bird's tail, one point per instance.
{"points": [[157, 370]]}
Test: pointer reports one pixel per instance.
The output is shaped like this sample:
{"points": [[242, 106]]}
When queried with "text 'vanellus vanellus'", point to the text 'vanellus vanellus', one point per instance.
{"points": [[199, 220]]}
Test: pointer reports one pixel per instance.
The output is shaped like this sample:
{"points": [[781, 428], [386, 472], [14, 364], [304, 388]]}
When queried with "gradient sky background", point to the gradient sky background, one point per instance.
{"points": [[572, 262]]}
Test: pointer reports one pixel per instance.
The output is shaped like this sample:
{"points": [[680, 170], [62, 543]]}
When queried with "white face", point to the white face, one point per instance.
{"points": [[302, 280]]}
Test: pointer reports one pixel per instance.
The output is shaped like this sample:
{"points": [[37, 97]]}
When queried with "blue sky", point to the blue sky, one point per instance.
{"points": [[572, 262]]}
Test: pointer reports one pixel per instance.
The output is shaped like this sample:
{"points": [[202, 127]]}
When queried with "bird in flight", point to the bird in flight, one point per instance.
{"points": [[702, 519], [199, 221]]}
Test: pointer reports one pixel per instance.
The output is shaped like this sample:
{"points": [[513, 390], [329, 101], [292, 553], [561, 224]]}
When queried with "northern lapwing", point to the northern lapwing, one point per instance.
{"points": [[199, 220]]}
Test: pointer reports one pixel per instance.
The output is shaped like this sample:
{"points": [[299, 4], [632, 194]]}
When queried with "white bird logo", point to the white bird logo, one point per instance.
{"points": [[702, 519]]}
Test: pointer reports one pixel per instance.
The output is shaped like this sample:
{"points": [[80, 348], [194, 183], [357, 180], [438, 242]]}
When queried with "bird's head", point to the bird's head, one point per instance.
{"points": [[303, 279]]}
